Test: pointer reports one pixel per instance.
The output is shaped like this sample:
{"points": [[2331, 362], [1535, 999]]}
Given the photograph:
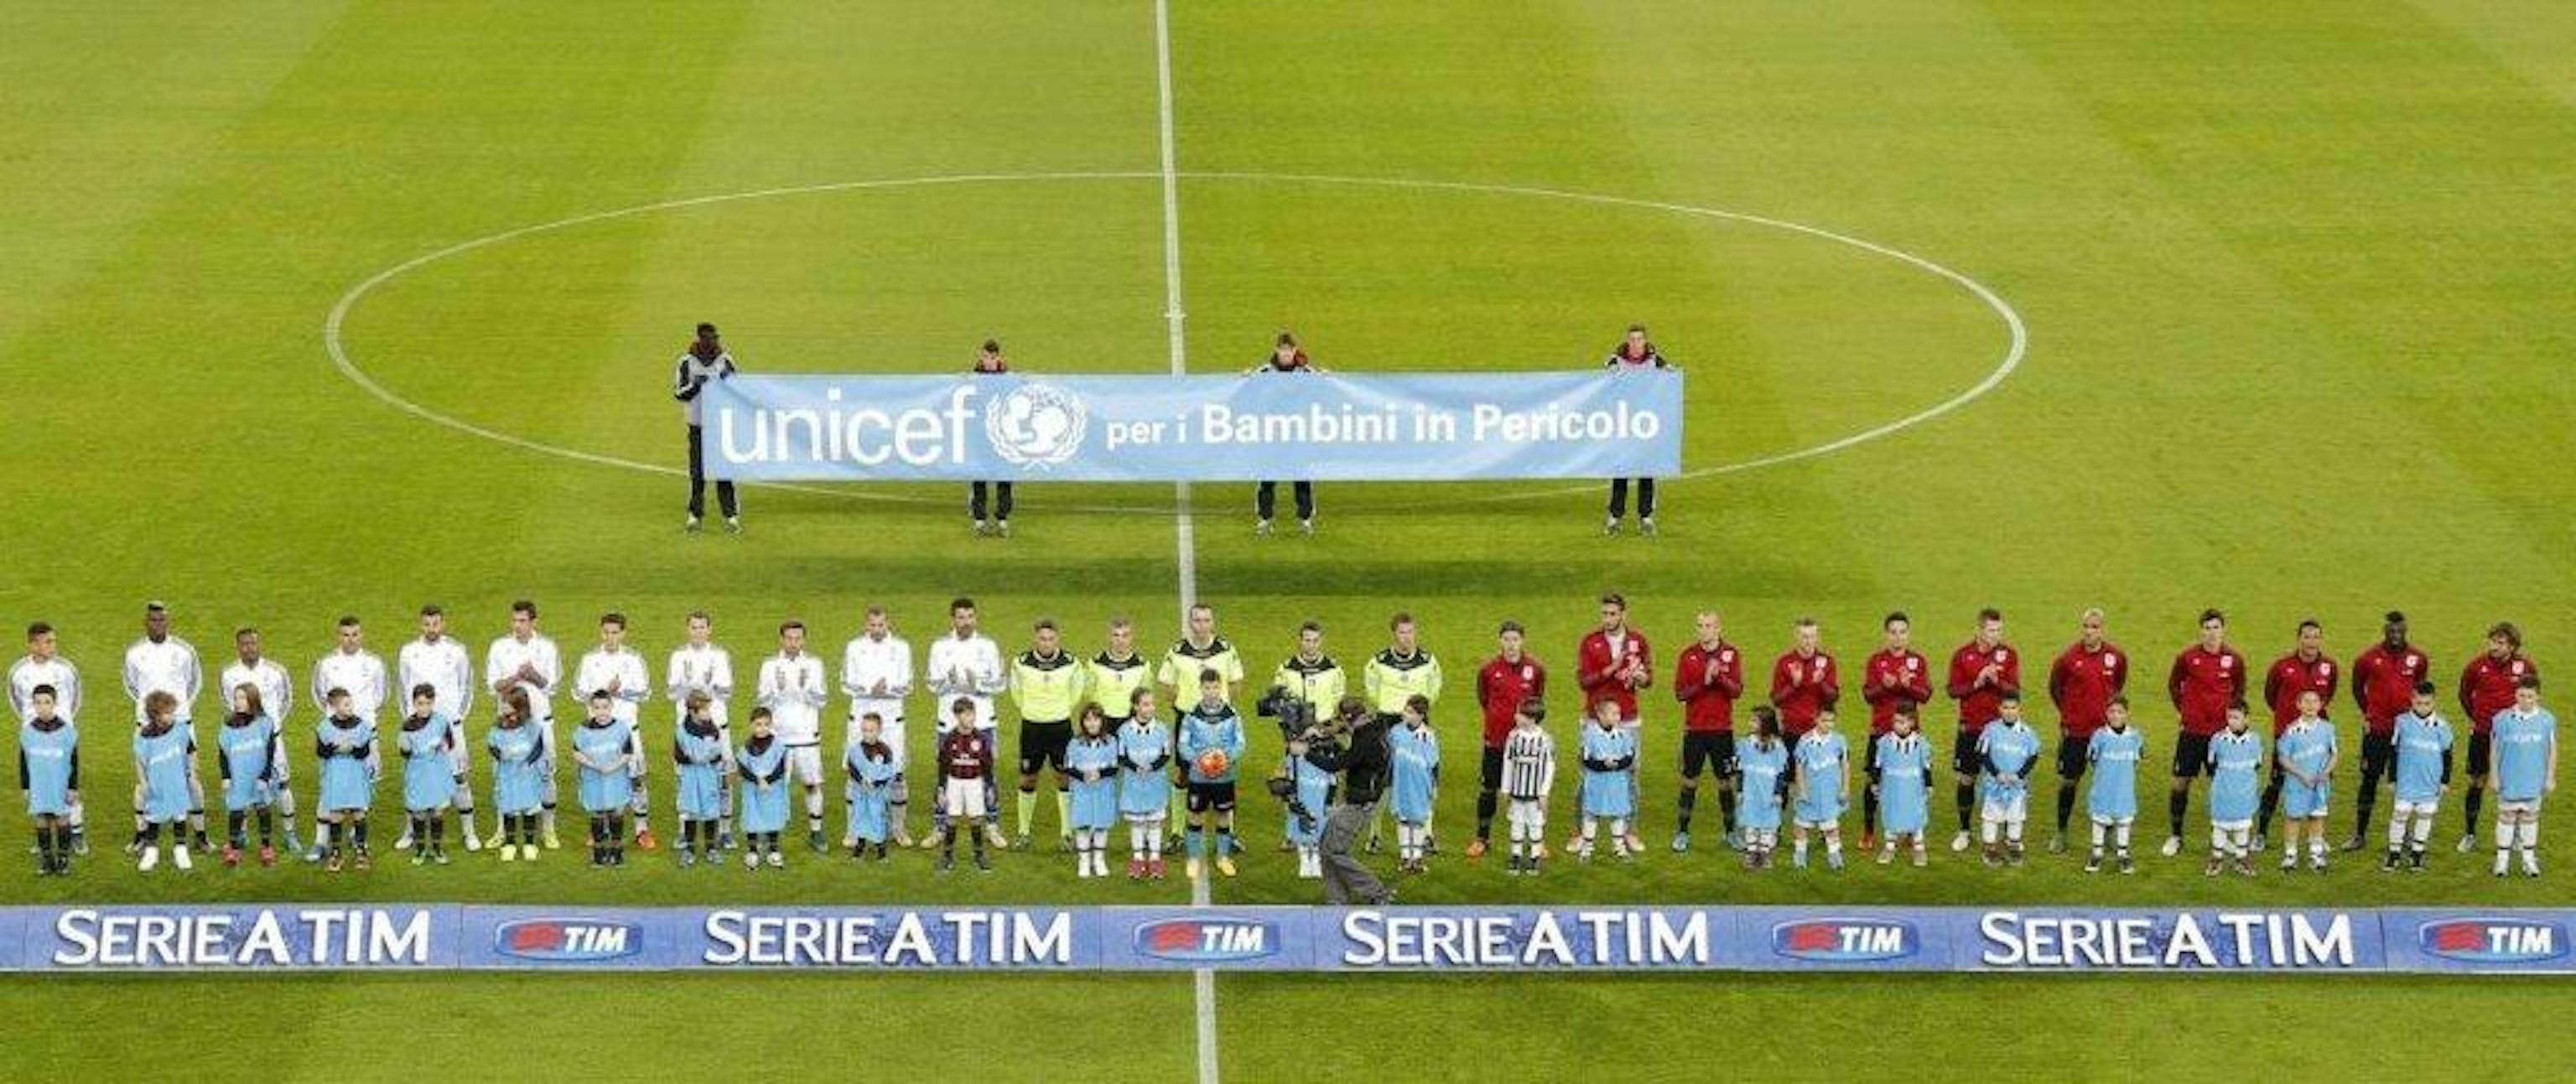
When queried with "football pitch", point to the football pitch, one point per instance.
{"points": [[323, 308]]}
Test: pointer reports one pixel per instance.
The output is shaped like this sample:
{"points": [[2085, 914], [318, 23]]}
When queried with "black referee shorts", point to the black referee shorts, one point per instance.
{"points": [[1043, 744]]}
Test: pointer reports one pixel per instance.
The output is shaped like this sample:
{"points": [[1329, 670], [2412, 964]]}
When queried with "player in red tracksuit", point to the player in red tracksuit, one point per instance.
{"points": [[2207, 679], [1708, 678], [2081, 683], [1982, 672], [2486, 687], [2305, 669], [1611, 664], [1511, 678], [1804, 682], [1895, 675], [2384, 677]]}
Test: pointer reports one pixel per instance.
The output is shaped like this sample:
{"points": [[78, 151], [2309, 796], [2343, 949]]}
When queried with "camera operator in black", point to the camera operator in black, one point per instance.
{"points": [[1356, 747]]}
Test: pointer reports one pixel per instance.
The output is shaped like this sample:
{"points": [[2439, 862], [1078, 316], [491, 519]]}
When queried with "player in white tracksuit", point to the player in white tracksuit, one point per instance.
{"points": [[619, 671], [349, 665], [441, 662], [793, 687], [277, 698], [876, 672], [527, 661], [161, 662], [699, 666]]}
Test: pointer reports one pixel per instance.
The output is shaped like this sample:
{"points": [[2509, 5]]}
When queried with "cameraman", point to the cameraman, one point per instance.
{"points": [[1353, 744]]}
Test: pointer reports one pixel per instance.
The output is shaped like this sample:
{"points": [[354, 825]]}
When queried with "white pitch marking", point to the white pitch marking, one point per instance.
{"points": [[333, 344]]}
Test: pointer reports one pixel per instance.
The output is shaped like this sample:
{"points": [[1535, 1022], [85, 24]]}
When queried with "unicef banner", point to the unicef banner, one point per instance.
{"points": [[1385, 427], [436, 936]]}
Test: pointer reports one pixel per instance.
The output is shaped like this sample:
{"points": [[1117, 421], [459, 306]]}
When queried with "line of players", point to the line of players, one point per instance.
{"points": [[1052, 689]]}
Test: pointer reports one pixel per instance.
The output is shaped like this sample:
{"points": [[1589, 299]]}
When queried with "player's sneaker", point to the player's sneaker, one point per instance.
{"points": [[267, 855], [1573, 841], [1002, 528], [509, 852], [1869, 841], [982, 528], [2389, 863], [733, 524], [993, 835], [1306, 527], [814, 841], [1959, 841], [1476, 849], [2244, 866], [553, 841], [1734, 839], [80, 844], [1993, 855], [2214, 865], [1154, 869], [293, 845], [1261, 528], [1225, 866], [1798, 859], [473, 842], [2415, 861], [1582, 852], [644, 839], [2128, 864], [777, 859], [2093, 862], [2354, 842], [404, 844], [947, 862], [983, 864], [751, 859], [2172, 847], [2317, 861], [179, 856], [151, 859], [692, 526], [331, 864], [2290, 860], [1195, 868], [1135, 869], [2468, 842], [1887, 855], [1834, 861], [316, 852], [419, 857], [1681, 842], [2257, 845], [1511, 867], [1610, 527], [1646, 526], [1921, 858], [2057, 843], [232, 855]]}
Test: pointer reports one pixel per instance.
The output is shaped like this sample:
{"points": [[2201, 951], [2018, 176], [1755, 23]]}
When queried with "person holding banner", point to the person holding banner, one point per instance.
{"points": [[1633, 353], [1285, 357], [704, 362], [989, 361]]}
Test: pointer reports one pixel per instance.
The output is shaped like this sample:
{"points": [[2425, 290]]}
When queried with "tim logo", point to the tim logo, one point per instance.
{"points": [[1207, 940], [2494, 940], [1846, 940], [568, 940]]}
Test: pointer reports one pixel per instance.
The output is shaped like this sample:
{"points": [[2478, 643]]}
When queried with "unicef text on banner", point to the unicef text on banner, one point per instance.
{"points": [[1426, 427]]}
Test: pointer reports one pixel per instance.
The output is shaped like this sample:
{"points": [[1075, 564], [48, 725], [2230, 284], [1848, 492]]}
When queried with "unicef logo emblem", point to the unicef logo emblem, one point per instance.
{"points": [[1036, 425]]}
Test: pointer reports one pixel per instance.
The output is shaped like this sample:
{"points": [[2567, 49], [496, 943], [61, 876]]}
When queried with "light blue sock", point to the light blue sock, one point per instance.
{"points": [[1198, 843]]}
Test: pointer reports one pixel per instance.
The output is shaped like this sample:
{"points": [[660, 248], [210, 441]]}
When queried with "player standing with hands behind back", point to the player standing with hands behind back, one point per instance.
{"points": [[703, 363], [1633, 353]]}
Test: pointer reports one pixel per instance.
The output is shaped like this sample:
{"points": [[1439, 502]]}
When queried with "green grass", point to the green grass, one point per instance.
{"points": [[2292, 273]]}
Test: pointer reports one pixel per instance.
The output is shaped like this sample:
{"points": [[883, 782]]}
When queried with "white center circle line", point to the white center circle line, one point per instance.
{"points": [[334, 344]]}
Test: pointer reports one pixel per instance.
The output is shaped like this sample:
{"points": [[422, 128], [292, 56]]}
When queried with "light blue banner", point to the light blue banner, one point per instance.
{"points": [[1595, 423], [342, 937]]}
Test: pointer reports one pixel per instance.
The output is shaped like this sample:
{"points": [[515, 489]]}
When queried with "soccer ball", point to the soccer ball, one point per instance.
{"points": [[1213, 762]]}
